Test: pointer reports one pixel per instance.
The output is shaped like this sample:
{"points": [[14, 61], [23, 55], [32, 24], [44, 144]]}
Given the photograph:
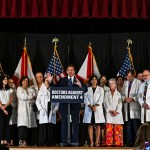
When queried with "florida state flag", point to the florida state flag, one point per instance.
{"points": [[89, 66], [24, 68]]}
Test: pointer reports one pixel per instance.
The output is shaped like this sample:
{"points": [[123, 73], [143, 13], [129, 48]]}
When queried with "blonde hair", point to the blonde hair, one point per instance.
{"points": [[143, 135]]}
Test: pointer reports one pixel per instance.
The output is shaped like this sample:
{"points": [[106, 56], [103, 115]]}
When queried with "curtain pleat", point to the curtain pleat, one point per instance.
{"points": [[75, 9]]}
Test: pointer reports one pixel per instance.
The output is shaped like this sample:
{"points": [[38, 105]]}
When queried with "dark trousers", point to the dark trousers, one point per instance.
{"points": [[14, 133], [83, 134], [32, 136], [23, 133], [132, 127], [4, 124], [58, 132], [47, 136], [37, 132], [74, 111]]}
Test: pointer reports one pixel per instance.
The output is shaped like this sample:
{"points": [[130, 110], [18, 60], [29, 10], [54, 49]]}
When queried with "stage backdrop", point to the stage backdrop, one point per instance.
{"points": [[109, 50]]}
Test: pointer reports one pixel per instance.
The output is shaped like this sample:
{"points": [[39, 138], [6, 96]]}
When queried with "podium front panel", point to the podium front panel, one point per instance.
{"points": [[67, 94]]}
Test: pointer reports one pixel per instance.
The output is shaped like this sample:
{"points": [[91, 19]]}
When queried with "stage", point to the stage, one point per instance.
{"points": [[72, 148]]}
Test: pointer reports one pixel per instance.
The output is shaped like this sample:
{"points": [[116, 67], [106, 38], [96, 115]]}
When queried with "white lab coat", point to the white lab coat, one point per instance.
{"points": [[42, 104], [92, 99], [36, 90], [13, 119], [113, 103], [141, 93], [106, 88], [26, 115], [134, 105]]}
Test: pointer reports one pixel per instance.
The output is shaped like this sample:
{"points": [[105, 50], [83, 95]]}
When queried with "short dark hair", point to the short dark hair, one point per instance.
{"points": [[91, 78], [119, 77], [22, 79], [38, 72], [71, 66], [103, 76], [130, 71]]}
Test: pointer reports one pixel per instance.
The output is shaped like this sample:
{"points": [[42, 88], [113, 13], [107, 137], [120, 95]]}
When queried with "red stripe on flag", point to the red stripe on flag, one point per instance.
{"points": [[24, 63], [16, 80], [83, 80], [90, 63]]}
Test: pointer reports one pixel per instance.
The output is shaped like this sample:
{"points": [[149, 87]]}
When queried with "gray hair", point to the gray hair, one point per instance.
{"points": [[112, 79]]}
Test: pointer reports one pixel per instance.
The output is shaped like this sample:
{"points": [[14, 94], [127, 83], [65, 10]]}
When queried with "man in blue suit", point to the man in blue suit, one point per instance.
{"points": [[70, 81]]}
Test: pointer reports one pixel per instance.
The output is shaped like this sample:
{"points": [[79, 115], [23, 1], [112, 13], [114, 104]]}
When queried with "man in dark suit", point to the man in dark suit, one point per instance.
{"points": [[70, 81]]}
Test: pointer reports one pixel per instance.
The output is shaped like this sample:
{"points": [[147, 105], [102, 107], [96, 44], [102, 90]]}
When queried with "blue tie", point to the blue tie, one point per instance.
{"points": [[70, 82], [128, 104], [129, 88]]}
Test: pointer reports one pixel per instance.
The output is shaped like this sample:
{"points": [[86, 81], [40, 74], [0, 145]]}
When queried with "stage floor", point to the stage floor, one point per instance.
{"points": [[71, 148]]}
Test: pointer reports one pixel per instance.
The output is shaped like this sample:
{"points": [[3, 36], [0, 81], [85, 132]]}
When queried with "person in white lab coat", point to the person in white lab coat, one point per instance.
{"points": [[26, 116], [36, 87], [131, 107], [144, 97], [47, 113], [5, 109], [140, 77], [120, 81], [103, 82], [114, 117], [93, 114]]}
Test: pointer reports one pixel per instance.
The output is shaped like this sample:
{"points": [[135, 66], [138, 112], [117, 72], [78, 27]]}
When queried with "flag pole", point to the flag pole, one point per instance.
{"points": [[1, 69], [129, 42], [91, 57], [55, 40], [25, 45]]}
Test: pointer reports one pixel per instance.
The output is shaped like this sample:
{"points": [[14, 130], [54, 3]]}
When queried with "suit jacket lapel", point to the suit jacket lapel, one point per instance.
{"points": [[67, 82]]}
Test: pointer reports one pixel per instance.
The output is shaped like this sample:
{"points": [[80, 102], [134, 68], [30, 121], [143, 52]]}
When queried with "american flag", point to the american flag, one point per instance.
{"points": [[55, 67], [127, 65]]}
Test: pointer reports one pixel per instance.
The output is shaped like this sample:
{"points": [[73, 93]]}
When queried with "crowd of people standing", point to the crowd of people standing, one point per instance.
{"points": [[111, 114]]}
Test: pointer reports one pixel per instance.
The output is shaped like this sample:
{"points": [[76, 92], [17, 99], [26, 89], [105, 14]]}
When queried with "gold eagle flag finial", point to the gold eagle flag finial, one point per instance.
{"points": [[90, 44], [129, 41], [55, 41]]}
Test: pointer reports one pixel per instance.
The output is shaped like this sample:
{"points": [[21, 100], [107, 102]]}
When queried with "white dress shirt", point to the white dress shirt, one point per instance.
{"points": [[4, 96], [72, 79]]}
